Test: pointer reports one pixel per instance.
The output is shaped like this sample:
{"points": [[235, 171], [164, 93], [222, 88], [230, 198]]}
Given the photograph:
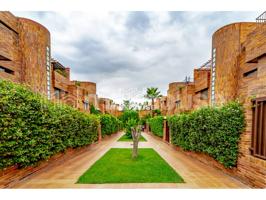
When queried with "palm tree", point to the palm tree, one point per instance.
{"points": [[152, 93]]}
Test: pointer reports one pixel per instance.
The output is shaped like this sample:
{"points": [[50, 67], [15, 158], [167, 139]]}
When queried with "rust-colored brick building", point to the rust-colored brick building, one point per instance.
{"points": [[25, 53], [184, 100], [172, 96], [161, 104], [239, 72], [25, 58], [202, 86], [107, 106]]}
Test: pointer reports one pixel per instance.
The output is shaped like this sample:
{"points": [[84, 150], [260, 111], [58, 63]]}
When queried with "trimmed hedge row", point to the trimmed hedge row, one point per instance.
{"points": [[34, 129], [156, 125], [109, 124], [212, 130]]}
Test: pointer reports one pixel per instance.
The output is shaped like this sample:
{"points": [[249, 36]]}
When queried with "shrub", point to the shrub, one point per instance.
{"points": [[127, 115], [212, 130], [157, 112], [109, 124], [156, 125], [144, 119], [131, 123], [33, 128], [93, 110]]}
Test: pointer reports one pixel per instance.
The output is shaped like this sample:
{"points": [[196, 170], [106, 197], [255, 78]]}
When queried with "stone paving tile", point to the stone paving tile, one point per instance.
{"points": [[195, 173]]}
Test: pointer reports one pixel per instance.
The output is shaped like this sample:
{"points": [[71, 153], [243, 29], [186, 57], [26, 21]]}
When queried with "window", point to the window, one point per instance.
{"points": [[258, 147], [178, 103], [250, 73], [204, 94], [57, 93], [3, 69], [86, 105]]}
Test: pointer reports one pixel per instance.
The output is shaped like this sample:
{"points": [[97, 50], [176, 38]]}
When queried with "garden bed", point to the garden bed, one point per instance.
{"points": [[124, 138], [117, 166]]}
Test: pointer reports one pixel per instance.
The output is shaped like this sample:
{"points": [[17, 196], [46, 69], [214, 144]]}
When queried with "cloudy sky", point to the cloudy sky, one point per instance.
{"points": [[126, 52]]}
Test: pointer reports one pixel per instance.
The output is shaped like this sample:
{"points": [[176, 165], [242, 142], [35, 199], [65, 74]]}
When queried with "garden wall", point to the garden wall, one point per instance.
{"points": [[13, 175]]}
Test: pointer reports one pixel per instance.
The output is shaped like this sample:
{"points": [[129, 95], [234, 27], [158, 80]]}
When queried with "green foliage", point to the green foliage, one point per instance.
{"points": [[93, 110], [144, 119], [131, 123], [157, 112], [127, 115], [128, 118], [124, 138], [117, 166], [211, 130], [33, 128], [156, 125], [128, 105], [152, 93], [109, 124]]}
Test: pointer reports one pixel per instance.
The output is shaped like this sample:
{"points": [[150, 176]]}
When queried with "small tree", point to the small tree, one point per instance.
{"points": [[135, 129], [136, 133], [152, 93]]}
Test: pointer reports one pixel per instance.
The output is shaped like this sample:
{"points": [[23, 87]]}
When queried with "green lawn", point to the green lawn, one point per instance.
{"points": [[117, 166], [124, 138]]}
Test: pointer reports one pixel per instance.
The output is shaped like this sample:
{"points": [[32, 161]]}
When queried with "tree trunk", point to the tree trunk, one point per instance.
{"points": [[136, 132], [152, 107]]}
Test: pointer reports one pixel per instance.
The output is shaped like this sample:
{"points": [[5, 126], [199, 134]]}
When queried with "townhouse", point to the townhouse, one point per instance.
{"points": [[236, 71], [25, 58], [239, 72]]}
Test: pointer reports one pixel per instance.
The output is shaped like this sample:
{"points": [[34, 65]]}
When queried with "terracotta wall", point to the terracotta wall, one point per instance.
{"points": [[10, 57], [24, 43], [202, 86], [185, 98], [108, 106], [25, 57], [172, 96], [251, 168], [235, 46], [227, 42], [143, 113]]}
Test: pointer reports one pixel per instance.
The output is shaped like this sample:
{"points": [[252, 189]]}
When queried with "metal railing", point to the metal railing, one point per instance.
{"points": [[261, 18], [206, 65]]}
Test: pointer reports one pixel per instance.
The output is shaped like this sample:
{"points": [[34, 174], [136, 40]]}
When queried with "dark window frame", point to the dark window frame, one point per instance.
{"points": [[258, 141], [6, 70]]}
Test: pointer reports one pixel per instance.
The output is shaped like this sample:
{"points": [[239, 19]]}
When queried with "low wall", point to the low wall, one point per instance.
{"points": [[13, 175]]}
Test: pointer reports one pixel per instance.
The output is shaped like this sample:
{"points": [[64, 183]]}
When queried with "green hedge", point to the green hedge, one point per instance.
{"points": [[33, 129], [127, 115], [156, 125], [109, 124], [212, 130]]}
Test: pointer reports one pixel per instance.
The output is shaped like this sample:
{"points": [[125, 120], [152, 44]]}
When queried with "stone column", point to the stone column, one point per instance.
{"points": [[99, 133], [164, 129]]}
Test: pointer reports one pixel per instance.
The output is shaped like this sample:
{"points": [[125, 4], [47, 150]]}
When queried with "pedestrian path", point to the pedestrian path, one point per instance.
{"points": [[195, 173]]}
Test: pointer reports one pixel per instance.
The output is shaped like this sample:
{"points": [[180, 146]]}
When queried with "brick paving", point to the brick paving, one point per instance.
{"points": [[195, 173]]}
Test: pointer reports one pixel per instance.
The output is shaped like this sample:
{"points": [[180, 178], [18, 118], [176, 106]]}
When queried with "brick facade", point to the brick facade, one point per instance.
{"points": [[237, 72], [202, 87], [107, 106], [25, 57]]}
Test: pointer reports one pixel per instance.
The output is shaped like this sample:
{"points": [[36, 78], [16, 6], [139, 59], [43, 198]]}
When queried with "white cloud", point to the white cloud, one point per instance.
{"points": [[127, 52]]}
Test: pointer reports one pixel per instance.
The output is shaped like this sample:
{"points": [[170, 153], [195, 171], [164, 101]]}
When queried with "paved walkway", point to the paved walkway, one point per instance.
{"points": [[195, 173]]}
